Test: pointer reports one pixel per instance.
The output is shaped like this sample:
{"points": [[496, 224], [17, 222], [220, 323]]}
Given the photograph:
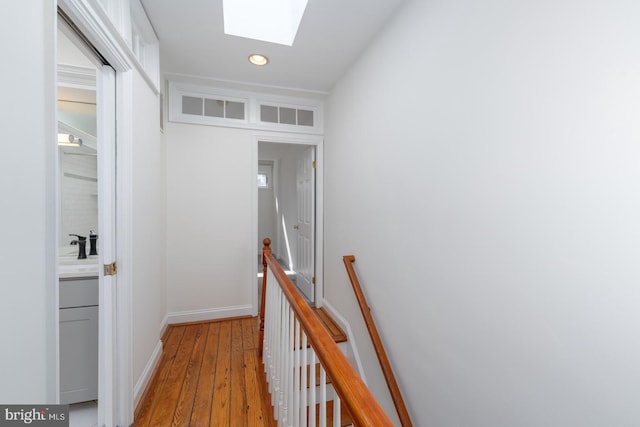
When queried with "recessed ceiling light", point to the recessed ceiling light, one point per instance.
{"points": [[257, 59]]}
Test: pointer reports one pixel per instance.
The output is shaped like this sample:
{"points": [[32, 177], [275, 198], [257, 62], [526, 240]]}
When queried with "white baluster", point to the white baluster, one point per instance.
{"points": [[267, 356], [296, 369], [273, 364], [304, 389], [323, 396], [275, 348], [336, 409], [312, 389], [282, 349], [275, 397], [290, 358], [287, 364]]}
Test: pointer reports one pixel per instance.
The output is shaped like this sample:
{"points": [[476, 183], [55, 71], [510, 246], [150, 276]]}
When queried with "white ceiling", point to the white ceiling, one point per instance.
{"points": [[331, 35]]}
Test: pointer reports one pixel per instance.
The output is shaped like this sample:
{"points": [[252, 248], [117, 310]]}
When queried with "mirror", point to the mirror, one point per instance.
{"points": [[78, 167]]}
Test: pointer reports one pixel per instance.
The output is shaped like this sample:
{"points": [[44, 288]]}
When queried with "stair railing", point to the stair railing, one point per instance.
{"points": [[389, 377], [294, 344]]}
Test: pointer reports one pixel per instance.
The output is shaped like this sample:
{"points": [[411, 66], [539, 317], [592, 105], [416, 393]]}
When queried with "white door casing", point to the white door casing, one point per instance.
{"points": [[315, 142], [106, 143], [305, 227]]}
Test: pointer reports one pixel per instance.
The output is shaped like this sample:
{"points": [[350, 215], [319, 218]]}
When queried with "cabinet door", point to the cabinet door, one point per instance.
{"points": [[81, 292], [78, 354]]}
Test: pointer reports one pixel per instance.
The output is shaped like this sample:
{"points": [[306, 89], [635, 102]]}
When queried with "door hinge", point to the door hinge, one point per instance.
{"points": [[111, 269], [313, 164], [313, 280]]}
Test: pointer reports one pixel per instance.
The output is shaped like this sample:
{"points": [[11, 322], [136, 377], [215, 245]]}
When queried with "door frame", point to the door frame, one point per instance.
{"points": [[117, 371], [106, 90], [284, 138]]}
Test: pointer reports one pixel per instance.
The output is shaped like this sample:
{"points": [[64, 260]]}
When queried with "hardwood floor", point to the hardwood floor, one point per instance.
{"points": [[209, 374]]}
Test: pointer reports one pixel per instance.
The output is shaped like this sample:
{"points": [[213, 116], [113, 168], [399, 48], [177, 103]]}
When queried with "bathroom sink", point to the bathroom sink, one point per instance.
{"points": [[85, 270], [71, 266]]}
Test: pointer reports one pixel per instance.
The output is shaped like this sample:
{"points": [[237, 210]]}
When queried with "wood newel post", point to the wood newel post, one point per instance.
{"points": [[266, 250]]}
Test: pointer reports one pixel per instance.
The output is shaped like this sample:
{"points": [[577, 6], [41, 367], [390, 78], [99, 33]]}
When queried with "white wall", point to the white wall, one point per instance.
{"points": [[482, 166], [210, 248], [28, 319], [149, 225]]}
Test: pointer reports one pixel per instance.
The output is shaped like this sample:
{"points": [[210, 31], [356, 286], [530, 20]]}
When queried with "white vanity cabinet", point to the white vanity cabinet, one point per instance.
{"points": [[78, 339]]}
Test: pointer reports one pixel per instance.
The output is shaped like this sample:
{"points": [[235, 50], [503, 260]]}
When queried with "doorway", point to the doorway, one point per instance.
{"points": [[288, 211], [86, 226]]}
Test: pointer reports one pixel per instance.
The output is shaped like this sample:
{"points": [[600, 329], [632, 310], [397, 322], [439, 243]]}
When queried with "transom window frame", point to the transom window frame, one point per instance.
{"points": [[280, 106], [176, 113], [252, 102]]}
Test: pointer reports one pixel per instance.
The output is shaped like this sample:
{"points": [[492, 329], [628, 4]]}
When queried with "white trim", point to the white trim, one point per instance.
{"points": [[319, 297], [124, 230], [350, 337], [147, 372], [283, 138], [96, 25], [253, 87], [119, 15], [163, 325], [145, 45], [210, 314], [253, 271], [108, 328], [252, 102], [52, 204], [288, 102], [175, 106]]}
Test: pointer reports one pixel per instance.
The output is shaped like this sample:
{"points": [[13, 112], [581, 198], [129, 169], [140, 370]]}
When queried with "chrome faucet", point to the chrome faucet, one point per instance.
{"points": [[81, 241]]}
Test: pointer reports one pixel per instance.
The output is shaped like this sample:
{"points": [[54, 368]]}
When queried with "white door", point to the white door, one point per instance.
{"points": [[306, 195], [106, 144]]}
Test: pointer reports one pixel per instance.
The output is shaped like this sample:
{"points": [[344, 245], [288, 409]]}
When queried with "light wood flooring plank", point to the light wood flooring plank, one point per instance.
{"points": [[166, 405], [255, 402], [184, 406], [201, 412], [248, 340], [220, 403], [238, 406]]}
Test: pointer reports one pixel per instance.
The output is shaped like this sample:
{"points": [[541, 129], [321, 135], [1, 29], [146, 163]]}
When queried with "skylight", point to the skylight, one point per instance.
{"points": [[274, 21]]}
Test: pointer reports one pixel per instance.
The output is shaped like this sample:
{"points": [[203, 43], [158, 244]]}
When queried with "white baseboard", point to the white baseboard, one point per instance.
{"points": [[350, 337], [144, 379], [164, 325], [209, 314]]}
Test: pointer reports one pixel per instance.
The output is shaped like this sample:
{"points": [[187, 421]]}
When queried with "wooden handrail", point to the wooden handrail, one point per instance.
{"points": [[363, 407], [396, 395]]}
